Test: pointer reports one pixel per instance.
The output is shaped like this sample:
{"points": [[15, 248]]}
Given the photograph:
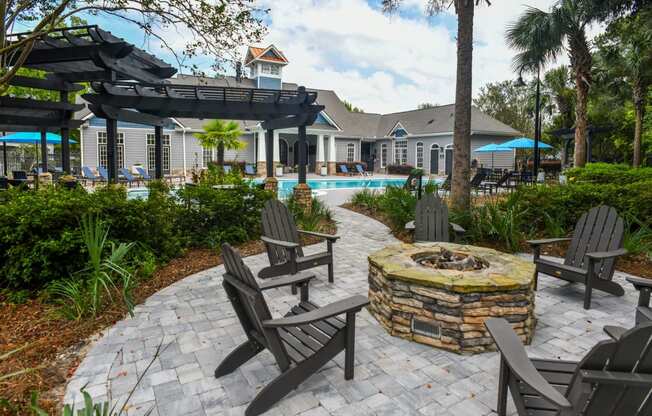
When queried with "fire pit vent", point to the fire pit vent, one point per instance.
{"points": [[426, 329]]}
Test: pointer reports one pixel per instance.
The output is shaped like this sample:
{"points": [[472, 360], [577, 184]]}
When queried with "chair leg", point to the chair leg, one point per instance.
{"points": [[587, 294], [501, 406], [237, 357], [349, 352], [536, 279], [331, 277]]}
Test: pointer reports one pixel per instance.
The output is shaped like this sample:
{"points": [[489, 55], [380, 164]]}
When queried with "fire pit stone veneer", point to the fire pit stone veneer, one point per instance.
{"points": [[440, 294]]}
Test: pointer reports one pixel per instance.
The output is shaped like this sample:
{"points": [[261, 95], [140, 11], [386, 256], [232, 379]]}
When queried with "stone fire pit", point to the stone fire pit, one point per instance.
{"points": [[441, 293]]}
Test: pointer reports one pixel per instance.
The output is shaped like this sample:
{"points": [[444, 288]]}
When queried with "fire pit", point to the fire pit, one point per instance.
{"points": [[441, 293]]}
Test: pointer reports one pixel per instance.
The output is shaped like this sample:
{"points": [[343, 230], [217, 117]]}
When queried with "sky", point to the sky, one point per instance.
{"points": [[380, 63]]}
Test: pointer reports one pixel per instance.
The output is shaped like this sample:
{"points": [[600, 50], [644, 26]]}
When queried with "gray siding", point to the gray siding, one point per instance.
{"points": [[341, 149]]}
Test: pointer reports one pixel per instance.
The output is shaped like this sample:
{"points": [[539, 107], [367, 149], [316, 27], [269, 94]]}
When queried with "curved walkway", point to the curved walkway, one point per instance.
{"points": [[197, 326]]}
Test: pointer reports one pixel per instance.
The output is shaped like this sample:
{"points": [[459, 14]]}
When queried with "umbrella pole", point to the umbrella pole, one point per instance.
{"points": [[4, 157]]}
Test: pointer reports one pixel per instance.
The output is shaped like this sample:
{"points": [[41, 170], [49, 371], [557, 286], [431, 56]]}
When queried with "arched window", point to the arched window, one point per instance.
{"points": [[350, 152], [419, 158]]}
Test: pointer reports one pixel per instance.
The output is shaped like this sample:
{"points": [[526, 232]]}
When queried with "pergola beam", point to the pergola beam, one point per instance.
{"points": [[32, 104], [49, 83]]}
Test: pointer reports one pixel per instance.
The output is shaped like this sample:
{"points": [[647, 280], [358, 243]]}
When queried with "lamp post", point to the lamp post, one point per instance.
{"points": [[537, 120]]}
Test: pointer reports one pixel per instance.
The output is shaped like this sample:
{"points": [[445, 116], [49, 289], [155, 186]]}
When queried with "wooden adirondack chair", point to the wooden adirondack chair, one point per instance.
{"points": [[431, 221], [643, 310], [301, 342], [613, 379], [281, 237], [590, 259]]}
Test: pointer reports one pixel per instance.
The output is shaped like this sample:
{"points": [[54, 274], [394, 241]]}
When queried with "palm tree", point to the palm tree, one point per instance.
{"points": [[221, 135], [465, 9], [625, 57], [540, 37]]}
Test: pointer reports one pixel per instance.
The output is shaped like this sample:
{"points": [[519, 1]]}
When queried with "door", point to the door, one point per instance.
{"points": [[367, 155], [449, 161], [283, 152], [434, 160]]}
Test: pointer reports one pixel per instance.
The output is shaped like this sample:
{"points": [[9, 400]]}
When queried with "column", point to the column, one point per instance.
{"points": [[158, 152], [302, 192], [112, 149], [277, 150], [320, 154], [269, 153], [332, 168], [261, 165], [44, 151], [65, 150]]}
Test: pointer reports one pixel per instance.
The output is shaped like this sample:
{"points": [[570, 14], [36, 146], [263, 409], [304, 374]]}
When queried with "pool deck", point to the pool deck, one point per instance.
{"points": [[195, 321]]}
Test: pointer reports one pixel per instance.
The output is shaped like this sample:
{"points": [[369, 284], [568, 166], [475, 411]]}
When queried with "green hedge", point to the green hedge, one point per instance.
{"points": [[606, 173], [40, 241]]}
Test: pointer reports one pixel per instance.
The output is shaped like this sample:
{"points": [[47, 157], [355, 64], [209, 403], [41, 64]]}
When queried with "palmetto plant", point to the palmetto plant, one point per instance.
{"points": [[221, 135], [84, 292]]}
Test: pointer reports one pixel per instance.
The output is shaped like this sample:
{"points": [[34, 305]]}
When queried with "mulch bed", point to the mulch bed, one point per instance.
{"points": [[637, 265], [55, 346]]}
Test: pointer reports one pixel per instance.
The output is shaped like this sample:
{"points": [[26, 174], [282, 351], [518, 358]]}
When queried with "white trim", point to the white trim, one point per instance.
{"points": [[183, 150], [393, 129], [330, 120], [384, 165], [81, 147], [416, 155]]}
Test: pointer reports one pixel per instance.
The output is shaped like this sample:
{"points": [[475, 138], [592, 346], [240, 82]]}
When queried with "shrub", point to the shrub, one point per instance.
{"points": [[497, 222], [399, 169], [398, 205], [366, 199], [317, 219], [607, 173]]}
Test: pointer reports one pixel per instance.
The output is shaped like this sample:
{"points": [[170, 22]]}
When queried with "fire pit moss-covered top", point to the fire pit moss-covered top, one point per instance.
{"points": [[505, 271]]}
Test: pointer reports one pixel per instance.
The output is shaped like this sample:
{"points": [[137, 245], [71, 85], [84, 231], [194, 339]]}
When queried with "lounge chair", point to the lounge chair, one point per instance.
{"points": [[361, 170], [502, 182], [345, 170], [89, 176], [281, 238], [128, 176], [143, 173], [477, 180], [19, 175], [591, 257], [431, 221], [613, 378], [104, 174], [227, 169], [249, 170], [301, 343]]}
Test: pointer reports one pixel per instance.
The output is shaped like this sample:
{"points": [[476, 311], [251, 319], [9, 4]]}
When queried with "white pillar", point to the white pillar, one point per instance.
{"points": [[277, 157], [332, 169], [320, 148], [261, 166]]}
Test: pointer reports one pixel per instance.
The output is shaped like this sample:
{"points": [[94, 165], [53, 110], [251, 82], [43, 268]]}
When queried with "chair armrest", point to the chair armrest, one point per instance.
{"points": [[617, 378], [410, 226], [457, 228], [614, 332], [547, 241], [513, 352], [288, 280], [602, 255], [329, 237], [639, 282], [351, 304], [284, 244]]}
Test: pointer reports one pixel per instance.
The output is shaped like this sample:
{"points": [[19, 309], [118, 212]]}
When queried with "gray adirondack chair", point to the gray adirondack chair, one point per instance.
{"points": [[613, 379], [643, 310], [431, 221], [301, 342], [596, 243], [281, 238]]}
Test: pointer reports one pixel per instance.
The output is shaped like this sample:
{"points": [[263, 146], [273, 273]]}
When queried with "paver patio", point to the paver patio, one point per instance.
{"points": [[197, 326]]}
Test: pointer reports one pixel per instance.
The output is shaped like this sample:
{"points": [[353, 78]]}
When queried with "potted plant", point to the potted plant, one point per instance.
{"points": [[279, 169]]}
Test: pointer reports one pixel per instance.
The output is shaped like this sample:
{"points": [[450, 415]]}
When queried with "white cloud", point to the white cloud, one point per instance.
{"points": [[386, 63]]}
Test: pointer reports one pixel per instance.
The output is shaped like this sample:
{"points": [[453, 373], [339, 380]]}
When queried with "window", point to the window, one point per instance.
{"points": [[383, 155], [207, 156], [102, 150], [151, 153], [270, 69], [419, 155], [350, 152], [400, 152]]}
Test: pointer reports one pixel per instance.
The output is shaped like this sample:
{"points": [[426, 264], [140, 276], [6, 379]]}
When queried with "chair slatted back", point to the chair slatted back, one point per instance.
{"points": [[503, 179], [278, 223], [125, 172], [142, 172], [431, 219], [599, 229], [250, 305], [88, 173], [632, 353], [446, 186], [344, 169], [477, 179]]}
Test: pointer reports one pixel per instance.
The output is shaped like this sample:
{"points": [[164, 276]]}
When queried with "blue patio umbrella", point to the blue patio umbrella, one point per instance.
{"points": [[28, 137], [523, 143], [491, 148]]}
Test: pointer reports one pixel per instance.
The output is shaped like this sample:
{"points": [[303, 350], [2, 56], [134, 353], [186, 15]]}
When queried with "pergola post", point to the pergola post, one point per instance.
{"points": [[112, 149], [65, 150], [302, 192], [158, 152], [44, 151], [4, 157], [271, 183]]}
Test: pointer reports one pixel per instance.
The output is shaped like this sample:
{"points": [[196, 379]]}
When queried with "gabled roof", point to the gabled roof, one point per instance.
{"points": [[268, 54]]}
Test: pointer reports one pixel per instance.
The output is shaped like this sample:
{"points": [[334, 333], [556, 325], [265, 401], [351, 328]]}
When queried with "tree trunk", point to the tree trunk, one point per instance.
{"points": [[220, 154], [639, 107], [461, 187], [581, 122]]}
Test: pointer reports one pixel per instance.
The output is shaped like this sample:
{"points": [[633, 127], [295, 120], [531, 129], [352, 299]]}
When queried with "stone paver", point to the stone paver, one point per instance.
{"points": [[196, 326]]}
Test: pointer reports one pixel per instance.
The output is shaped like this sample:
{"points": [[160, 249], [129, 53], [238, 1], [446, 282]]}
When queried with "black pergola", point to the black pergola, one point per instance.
{"points": [[568, 136], [67, 56], [152, 104]]}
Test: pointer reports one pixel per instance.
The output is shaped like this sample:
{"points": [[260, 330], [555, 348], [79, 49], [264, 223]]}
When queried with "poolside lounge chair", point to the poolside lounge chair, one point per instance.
{"points": [[227, 169], [88, 175], [361, 170], [301, 343], [104, 174], [431, 221], [476, 182], [591, 257], [281, 238], [345, 170], [128, 177], [502, 182], [143, 173], [249, 170], [613, 378], [20, 175]]}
